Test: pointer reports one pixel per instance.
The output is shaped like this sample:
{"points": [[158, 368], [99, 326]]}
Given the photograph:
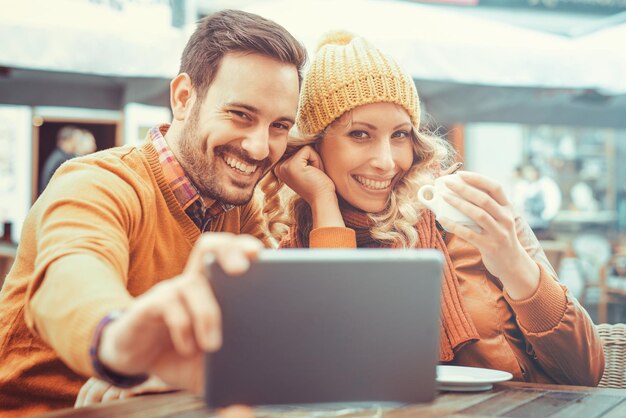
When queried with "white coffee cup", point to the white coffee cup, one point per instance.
{"points": [[432, 196]]}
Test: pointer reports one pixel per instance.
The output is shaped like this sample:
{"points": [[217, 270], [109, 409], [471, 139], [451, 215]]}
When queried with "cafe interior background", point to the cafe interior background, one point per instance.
{"points": [[529, 92]]}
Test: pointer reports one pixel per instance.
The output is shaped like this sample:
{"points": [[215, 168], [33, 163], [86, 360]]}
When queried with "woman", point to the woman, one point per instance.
{"points": [[356, 169]]}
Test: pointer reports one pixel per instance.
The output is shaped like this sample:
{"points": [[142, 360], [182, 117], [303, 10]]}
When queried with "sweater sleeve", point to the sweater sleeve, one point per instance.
{"points": [[560, 334], [327, 237], [332, 237], [83, 222]]}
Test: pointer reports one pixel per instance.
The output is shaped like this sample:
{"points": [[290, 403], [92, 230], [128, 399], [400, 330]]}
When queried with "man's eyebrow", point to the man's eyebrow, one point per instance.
{"points": [[243, 105], [254, 110]]}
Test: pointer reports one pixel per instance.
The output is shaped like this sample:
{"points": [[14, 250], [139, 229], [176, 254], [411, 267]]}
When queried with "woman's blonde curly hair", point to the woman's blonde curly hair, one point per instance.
{"points": [[283, 208]]}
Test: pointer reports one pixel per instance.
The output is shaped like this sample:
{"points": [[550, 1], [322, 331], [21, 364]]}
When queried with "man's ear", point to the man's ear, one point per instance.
{"points": [[182, 96]]}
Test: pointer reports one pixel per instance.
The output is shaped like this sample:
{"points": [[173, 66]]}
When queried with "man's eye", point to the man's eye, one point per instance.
{"points": [[280, 125], [239, 114]]}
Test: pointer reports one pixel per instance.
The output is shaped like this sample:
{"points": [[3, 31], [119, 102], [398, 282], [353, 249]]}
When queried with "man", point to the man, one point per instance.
{"points": [[68, 139], [109, 279]]}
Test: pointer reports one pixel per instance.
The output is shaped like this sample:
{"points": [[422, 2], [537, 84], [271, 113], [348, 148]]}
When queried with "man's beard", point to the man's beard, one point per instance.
{"points": [[203, 169]]}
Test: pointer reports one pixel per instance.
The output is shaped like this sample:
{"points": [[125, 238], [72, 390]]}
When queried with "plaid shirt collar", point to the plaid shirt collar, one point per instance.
{"points": [[184, 190]]}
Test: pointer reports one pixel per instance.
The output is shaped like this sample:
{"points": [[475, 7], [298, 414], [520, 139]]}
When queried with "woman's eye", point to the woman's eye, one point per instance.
{"points": [[401, 134], [359, 134]]}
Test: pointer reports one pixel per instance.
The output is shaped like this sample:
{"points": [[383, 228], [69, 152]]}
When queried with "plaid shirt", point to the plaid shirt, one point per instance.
{"points": [[185, 192]]}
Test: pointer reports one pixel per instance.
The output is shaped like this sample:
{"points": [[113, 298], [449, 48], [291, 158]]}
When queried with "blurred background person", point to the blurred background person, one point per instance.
{"points": [[68, 139], [536, 197], [86, 144]]}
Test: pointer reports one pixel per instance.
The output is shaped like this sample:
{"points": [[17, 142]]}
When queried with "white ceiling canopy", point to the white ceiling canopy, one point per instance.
{"points": [[443, 44]]}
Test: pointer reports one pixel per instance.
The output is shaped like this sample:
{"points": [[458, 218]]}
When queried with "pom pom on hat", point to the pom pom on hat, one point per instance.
{"points": [[339, 37]]}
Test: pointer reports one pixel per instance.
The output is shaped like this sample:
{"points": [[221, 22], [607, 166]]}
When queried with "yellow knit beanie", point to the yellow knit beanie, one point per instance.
{"points": [[347, 72]]}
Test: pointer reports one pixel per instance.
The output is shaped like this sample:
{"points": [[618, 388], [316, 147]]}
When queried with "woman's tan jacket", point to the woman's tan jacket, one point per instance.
{"points": [[547, 338]]}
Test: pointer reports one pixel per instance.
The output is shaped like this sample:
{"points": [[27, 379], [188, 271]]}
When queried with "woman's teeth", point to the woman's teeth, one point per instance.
{"points": [[372, 184]]}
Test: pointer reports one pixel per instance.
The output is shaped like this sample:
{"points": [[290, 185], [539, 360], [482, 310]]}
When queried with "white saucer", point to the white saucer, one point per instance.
{"points": [[468, 379]]}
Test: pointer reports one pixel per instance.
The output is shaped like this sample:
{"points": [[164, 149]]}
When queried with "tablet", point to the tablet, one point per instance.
{"points": [[327, 325]]}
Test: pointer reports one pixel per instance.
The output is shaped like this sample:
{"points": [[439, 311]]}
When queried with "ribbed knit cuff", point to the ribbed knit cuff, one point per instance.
{"points": [[332, 237], [545, 309]]}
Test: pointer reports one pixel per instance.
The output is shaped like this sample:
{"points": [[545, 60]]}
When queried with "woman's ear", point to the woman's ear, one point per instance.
{"points": [[182, 96]]}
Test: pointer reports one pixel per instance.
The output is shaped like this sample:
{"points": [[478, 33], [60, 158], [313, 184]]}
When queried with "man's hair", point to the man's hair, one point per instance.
{"points": [[230, 31]]}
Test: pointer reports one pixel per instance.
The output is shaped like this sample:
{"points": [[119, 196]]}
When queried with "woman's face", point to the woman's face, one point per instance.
{"points": [[366, 151]]}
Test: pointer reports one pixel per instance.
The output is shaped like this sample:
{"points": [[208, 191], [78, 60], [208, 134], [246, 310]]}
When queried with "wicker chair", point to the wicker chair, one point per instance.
{"points": [[614, 342]]}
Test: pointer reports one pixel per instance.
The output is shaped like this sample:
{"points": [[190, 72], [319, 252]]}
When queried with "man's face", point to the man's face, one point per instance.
{"points": [[239, 129]]}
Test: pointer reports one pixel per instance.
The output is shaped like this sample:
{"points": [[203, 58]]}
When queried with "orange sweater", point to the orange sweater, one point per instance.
{"points": [[106, 229]]}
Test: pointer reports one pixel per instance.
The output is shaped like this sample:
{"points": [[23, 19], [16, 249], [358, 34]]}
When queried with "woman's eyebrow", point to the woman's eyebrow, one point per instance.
{"points": [[373, 127]]}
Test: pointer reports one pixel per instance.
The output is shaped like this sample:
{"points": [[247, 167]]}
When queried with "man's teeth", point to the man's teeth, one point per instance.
{"points": [[372, 184], [240, 165]]}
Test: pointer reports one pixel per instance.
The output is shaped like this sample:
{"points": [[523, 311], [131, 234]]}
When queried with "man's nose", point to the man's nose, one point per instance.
{"points": [[256, 144]]}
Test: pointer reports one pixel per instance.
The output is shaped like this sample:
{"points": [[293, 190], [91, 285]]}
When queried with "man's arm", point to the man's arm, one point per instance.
{"points": [[82, 226], [83, 258]]}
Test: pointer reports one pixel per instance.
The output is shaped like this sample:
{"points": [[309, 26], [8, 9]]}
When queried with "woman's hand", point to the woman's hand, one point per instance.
{"points": [[304, 173], [96, 391], [485, 202]]}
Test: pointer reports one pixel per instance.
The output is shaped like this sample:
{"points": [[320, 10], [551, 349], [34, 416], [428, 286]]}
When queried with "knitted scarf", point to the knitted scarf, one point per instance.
{"points": [[456, 326]]}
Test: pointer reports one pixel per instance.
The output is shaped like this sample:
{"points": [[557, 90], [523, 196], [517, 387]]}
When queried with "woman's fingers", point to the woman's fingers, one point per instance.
{"points": [[459, 230], [479, 203], [487, 185], [481, 217]]}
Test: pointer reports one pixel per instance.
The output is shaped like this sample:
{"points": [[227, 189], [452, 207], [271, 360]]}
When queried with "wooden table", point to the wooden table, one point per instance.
{"points": [[511, 399]]}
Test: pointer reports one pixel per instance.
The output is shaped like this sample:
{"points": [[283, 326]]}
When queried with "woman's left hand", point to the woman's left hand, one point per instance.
{"points": [[485, 202]]}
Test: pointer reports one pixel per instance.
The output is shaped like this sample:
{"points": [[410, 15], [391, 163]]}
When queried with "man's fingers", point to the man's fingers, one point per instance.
{"points": [[82, 393], [112, 394], [95, 392], [206, 316], [178, 322], [213, 242], [236, 411], [152, 385], [234, 257]]}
